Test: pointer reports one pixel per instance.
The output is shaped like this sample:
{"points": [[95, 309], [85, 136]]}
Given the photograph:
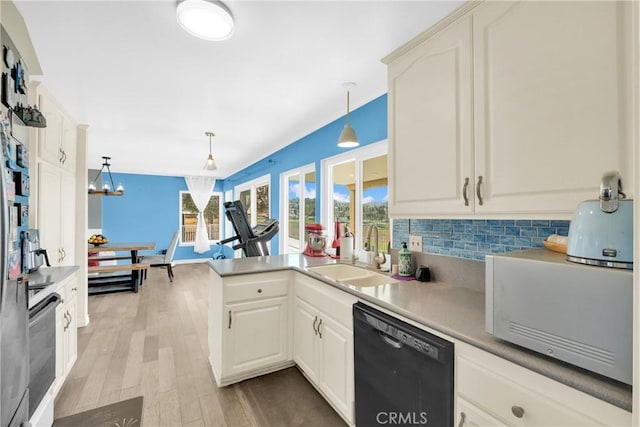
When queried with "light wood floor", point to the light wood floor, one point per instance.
{"points": [[154, 344]]}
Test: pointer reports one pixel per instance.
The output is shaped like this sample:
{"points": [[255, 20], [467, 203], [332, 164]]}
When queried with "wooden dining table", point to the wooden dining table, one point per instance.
{"points": [[106, 282]]}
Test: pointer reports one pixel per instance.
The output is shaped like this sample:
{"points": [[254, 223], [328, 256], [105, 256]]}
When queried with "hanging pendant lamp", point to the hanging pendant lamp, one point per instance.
{"points": [[210, 165], [348, 138]]}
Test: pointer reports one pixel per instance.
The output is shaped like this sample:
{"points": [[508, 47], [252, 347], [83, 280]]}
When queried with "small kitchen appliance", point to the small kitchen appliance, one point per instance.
{"points": [[316, 241], [33, 256], [580, 314], [601, 231]]}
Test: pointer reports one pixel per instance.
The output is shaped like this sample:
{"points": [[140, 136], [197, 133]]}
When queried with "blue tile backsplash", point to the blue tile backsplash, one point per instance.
{"points": [[475, 238]]}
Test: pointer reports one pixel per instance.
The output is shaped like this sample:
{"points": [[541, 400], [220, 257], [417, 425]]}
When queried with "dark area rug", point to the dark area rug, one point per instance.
{"points": [[127, 413]]}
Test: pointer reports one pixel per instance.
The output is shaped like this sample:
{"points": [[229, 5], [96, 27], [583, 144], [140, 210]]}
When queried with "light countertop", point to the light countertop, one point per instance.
{"points": [[47, 278], [455, 311]]}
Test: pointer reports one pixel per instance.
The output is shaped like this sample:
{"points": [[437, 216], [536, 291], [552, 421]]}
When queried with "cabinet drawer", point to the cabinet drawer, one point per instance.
{"points": [[511, 402], [252, 288], [333, 302]]}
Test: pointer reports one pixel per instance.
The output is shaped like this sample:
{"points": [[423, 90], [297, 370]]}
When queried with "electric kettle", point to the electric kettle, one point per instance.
{"points": [[601, 231]]}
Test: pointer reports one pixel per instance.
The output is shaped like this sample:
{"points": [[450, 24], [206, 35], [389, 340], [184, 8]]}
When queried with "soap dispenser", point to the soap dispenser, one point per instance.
{"points": [[346, 245], [404, 261]]}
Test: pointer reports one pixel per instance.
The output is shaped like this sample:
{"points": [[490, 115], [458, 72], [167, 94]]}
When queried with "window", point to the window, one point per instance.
{"points": [[298, 196], [356, 194], [189, 217], [256, 197]]}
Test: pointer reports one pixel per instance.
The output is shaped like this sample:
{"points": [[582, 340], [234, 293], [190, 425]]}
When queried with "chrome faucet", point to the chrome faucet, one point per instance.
{"points": [[379, 257]]}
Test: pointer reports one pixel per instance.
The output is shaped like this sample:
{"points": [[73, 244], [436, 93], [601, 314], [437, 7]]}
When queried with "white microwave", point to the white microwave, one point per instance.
{"points": [[577, 313]]}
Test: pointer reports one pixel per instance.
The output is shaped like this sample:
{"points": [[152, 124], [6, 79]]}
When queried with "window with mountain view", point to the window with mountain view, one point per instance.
{"points": [[357, 194], [299, 207]]}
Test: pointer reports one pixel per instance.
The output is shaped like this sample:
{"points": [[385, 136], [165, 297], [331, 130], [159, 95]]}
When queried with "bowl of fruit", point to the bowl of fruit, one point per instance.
{"points": [[97, 240]]}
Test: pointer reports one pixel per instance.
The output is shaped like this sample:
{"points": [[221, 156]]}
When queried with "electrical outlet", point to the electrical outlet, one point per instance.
{"points": [[415, 243]]}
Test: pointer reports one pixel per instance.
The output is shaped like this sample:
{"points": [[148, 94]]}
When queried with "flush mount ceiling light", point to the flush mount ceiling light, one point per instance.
{"points": [[205, 19], [348, 138], [107, 186], [210, 165]]}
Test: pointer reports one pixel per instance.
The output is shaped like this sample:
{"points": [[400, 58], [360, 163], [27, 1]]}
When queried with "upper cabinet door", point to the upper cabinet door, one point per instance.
{"points": [[430, 146], [50, 137], [551, 102]]}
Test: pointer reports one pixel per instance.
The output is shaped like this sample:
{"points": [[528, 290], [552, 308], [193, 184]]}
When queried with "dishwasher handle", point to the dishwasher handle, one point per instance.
{"points": [[390, 341]]}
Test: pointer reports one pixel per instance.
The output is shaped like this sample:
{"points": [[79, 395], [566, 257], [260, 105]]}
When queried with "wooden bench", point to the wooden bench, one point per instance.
{"points": [[119, 267], [108, 278]]}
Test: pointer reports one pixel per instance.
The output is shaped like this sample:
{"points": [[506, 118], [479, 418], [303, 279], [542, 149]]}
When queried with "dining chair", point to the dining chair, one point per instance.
{"points": [[165, 259]]}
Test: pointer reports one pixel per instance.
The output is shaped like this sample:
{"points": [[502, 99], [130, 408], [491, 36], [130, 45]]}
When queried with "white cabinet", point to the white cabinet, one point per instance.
{"points": [[66, 330], [548, 112], [56, 197], [323, 341], [430, 145], [256, 335], [57, 142], [492, 391], [249, 325]]}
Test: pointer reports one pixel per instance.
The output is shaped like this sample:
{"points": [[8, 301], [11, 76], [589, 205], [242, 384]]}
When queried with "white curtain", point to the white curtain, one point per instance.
{"points": [[200, 188]]}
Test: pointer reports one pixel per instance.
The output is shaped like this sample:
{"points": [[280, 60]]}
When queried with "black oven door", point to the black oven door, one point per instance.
{"points": [[42, 349]]}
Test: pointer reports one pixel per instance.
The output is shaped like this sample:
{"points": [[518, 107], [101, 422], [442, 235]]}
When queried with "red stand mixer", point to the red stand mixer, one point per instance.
{"points": [[316, 241]]}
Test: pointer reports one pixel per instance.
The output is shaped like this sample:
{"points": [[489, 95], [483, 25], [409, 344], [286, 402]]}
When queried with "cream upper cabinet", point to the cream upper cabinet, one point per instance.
{"points": [[57, 142], [529, 101], [430, 146], [550, 102]]}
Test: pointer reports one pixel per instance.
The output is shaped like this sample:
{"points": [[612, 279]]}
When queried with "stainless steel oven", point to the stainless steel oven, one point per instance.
{"points": [[42, 349]]}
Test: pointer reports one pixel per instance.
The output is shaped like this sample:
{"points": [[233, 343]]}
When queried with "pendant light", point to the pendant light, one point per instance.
{"points": [[206, 19], [210, 165], [108, 187], [348, 138]]}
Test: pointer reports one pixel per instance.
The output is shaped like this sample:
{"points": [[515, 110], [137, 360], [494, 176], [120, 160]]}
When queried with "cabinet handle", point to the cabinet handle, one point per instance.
{"points": [[74, 289], [64, 157], [478, 190], [70, 318], [463, 417], [517, 411], [59, 255], [465, 189], [319, 331], [60, 153], [64, 254], [67, 325], [315, 331], [229, 327]]}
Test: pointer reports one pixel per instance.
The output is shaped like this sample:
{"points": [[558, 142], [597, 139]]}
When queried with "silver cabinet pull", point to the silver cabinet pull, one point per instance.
{"points": [[463, 417], [59, 255], [319, 331], [465, 189], [67, 325], [70, 318], [315, 331], [60, 155], [517, 411], [64, 254], [229, 327], [478, 190], [64, 157]]}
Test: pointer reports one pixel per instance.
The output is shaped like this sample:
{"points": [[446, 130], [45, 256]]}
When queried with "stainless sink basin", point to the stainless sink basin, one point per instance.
{"points": [[352, 275]]}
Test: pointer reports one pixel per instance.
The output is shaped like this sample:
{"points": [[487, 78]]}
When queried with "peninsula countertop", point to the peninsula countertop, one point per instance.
{"points": [[453, 310]]}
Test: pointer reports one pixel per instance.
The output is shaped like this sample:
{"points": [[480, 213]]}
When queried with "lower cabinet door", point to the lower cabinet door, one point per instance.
{"points": [[61, 321], [256, 335], [305, 338], [469, 415], [336, 364]]}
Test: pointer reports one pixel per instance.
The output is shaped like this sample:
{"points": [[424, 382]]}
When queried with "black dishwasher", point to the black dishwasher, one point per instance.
{"points": [[403, 375]]}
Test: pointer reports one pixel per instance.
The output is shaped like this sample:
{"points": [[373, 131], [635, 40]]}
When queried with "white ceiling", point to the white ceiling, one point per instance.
{"points": [[149, 91]]}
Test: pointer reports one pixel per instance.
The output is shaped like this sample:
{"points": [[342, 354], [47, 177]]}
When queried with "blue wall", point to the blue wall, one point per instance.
{"points": [[149, 211]]}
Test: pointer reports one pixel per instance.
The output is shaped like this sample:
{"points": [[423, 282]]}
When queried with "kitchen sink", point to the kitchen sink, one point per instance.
{"points": [[352, 275]]}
